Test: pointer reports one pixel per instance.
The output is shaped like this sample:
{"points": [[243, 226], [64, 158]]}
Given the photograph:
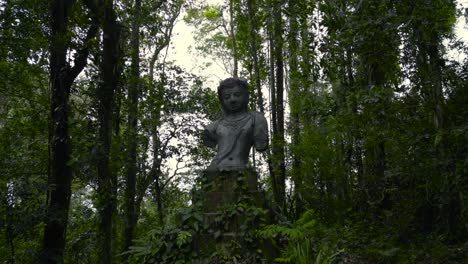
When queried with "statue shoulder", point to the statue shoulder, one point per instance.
{"points": [[256, 113], [258, 117], [211, 127]]}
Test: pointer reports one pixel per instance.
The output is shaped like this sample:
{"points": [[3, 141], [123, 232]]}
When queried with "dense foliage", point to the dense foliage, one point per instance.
{"points": [[100, 134]]}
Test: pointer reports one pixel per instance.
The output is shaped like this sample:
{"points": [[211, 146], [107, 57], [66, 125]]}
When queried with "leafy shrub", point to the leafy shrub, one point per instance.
{"points": [[306, 241]]}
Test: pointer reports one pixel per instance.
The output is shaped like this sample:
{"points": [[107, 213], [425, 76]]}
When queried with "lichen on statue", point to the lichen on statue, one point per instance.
{"points": [[237, 131]]}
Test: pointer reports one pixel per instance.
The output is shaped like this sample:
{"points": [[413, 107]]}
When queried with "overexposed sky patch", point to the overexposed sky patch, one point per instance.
{"points": [[182, 51]]}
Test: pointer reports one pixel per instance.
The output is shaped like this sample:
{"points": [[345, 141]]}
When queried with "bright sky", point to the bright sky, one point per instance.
{"points": [[184, 54], [187, 57]]}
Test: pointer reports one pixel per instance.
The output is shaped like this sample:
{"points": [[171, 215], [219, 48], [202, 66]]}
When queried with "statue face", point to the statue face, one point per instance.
{"points": [[234, 99]]}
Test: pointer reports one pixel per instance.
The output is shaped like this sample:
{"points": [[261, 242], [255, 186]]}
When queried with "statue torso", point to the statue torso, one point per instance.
{"points": [[234, 138]]}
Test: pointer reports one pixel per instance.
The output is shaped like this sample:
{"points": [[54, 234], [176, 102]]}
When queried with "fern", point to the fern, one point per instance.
{"points": [[300, 246]]}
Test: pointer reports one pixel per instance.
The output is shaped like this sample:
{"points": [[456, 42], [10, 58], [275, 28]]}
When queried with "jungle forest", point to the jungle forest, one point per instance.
{"points": [[101, 154]]}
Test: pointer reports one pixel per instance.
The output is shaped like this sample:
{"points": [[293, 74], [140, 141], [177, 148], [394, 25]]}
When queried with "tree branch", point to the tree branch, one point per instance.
{"points": [[164, 43], [82, 56], [172, 176]]}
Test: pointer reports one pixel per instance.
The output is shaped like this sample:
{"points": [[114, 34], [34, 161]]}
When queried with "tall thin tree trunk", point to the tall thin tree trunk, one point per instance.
{"points": [[273, 108], [278, 137], [133, 93], [158, 189], [10, 236], [62, 76], [352, 150], [105, 97], [59, 180], [357, 137], [233, 39], [294, 102], [430, 65], [156, 169], [254, 54]]}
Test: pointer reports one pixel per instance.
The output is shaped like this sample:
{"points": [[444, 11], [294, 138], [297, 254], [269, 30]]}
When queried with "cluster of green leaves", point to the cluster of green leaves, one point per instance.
{"points": [[371, 242], [306, 241], [164, 245], [312, 239], [181, 240], [23, 129]]}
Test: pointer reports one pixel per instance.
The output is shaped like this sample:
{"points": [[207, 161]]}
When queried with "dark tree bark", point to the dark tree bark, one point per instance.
{"points": [[254, 53], [59, 180], [105, 97], [10, 236], [272, 86], [62, 76], [133, 93], [276, 163], [233, 39], [278, 135]]}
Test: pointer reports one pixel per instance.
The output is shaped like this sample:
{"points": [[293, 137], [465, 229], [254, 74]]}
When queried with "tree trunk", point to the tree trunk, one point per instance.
{"points": [[62, 76], [278, 162], [10, 236], [233, 39], [158, 189], [272, 86], [452, 210], [158, 150], [294, 103], [105, 97], [59, 180], [254, 54], [430, 68], [133, 94]]}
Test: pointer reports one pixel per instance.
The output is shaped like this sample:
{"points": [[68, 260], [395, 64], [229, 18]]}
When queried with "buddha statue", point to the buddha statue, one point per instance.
{"points": [[237, 131]]}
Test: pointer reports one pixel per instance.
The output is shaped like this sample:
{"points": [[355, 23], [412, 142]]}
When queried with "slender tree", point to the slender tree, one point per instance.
{"points": [[425, 43], [62, 76], [294, 100], [109, 75], [232, 36], [278, 157], [169, 12], [133, 93], [254, 50]]}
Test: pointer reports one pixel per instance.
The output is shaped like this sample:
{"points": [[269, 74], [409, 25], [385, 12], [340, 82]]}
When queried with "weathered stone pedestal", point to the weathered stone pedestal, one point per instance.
{"points": [[223, 188], [233, 208]]}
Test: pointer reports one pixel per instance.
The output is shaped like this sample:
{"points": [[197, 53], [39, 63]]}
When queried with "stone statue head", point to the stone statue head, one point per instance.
{"points": [[233, 93]]}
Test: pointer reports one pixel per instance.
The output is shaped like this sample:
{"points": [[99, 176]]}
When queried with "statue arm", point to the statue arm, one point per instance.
{"points": [[260, 132], [209, 135]]}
